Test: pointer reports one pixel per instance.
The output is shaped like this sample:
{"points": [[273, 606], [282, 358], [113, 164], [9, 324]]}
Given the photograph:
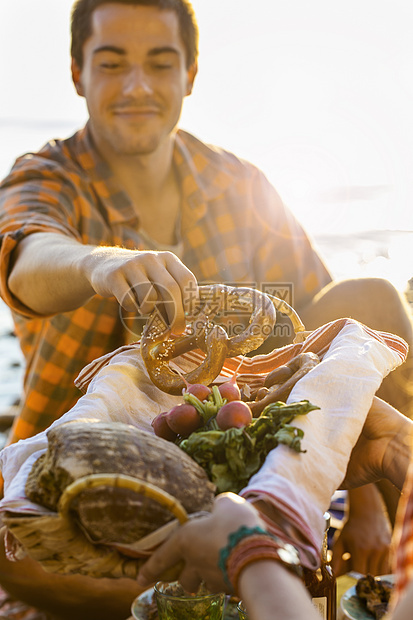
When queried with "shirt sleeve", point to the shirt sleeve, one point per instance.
{"points": [[37, 196], [286, 261]]}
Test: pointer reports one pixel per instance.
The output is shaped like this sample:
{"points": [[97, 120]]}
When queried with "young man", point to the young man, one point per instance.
{"points": [[130, 211]]}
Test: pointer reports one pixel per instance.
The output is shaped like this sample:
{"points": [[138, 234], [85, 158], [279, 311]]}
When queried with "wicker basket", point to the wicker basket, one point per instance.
{"points": [[60, 545]]}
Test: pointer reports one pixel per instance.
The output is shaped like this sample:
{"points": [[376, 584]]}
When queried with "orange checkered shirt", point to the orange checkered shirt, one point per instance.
{"points": [[403, 539], [234, 229]]}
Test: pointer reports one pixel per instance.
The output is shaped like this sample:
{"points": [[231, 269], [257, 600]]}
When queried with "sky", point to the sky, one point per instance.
{"points": [[318, 94]]}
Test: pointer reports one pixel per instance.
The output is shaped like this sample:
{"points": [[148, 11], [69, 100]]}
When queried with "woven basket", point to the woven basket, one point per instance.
{"points": [[60, 545]]}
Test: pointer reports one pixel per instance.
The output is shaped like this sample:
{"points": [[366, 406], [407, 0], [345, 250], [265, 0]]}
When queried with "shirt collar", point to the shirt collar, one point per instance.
{"points": [[201, 174]]}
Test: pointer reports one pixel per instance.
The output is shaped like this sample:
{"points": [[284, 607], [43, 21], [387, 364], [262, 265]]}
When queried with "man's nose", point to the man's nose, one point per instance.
{"points": [[137, 80]]}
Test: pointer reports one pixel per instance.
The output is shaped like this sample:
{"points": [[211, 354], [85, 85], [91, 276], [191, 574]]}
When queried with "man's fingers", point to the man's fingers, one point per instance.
{"points": [[188, 285], [373, 563], [141, 280], [177, 290], [174, 287], [360, 562], [128, 301], [378, 563], [146, 296], [384, 566]]}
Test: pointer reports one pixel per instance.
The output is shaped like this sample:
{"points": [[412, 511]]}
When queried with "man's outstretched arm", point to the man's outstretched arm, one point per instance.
{"points": [[53, 273]]}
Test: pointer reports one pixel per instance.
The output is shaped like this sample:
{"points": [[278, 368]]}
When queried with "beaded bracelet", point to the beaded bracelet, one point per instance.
{"points": [[247, 545], [233, 539]]}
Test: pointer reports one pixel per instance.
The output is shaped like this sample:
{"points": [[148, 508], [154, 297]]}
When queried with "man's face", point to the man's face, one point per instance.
{"points": [[134, 78]]}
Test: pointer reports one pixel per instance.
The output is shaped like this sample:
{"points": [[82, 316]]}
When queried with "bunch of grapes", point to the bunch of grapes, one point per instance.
{"points": [[202, 404]]}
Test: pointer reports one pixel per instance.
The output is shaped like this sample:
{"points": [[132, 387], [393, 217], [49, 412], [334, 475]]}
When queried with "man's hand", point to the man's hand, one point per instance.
{"points": [[141, 280], [383, 449], [364, 542]]}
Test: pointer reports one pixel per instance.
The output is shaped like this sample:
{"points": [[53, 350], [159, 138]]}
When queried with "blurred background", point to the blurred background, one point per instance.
{"points": [[318, 94]]}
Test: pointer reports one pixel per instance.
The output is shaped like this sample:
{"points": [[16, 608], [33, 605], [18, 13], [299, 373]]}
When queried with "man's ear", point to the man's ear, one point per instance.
{"points": [[191, 74], [76, 78]]}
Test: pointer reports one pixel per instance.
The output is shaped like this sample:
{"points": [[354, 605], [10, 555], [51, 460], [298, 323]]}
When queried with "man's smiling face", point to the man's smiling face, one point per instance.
{"points": [[134, 78]]}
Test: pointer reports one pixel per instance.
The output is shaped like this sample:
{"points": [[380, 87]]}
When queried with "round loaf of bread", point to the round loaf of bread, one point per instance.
{"points": [[110, 513]]}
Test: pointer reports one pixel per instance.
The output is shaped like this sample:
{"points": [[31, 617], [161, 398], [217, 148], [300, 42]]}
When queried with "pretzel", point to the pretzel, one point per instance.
{"points": [[158, 348], [157, 352], [219, 298]]}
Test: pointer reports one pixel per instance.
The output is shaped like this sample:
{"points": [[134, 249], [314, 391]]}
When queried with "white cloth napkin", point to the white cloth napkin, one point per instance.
{"points": [[354, 361], [120, 392], [300, 485]]}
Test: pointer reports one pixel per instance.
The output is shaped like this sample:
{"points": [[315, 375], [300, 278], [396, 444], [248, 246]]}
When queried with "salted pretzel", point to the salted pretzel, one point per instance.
{"points": [[158, 347], [157, 352]]}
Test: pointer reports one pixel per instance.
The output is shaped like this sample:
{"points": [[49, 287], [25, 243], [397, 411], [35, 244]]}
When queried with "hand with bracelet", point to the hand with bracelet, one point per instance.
{"points": [[230, 550]]}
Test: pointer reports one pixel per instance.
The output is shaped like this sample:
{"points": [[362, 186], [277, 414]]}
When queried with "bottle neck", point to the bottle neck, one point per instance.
{"points": [[324, 548]]}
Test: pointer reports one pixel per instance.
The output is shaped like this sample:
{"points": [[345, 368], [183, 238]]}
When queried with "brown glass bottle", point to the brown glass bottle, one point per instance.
{"points": [[321, 584]]}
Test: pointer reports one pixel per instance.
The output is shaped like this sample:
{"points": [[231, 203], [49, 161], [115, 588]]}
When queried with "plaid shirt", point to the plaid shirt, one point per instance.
{"points": [[234, 229], [403, 539]]}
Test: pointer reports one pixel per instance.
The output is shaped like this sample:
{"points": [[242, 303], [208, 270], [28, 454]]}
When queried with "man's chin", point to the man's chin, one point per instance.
{"points": [[130, 149], [135, 148], [129, 141]]}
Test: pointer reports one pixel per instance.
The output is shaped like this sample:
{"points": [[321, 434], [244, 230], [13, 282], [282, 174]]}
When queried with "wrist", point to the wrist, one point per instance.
{"points": [[399, 453], [363, 500], [248, 546], [93, 265], [279, 589]]}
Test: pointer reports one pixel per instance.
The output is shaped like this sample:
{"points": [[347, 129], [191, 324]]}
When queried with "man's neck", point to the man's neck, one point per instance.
{"points": [[144, 174], [151, 184]]}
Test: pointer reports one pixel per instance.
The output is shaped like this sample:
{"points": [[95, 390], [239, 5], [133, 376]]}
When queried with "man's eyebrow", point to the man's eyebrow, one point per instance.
{"points": [[156, 51], [110, 48], [166, 49]]}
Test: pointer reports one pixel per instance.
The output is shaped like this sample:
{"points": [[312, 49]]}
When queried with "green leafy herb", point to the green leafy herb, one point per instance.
{"points": [[208, 408], [231, 457]]}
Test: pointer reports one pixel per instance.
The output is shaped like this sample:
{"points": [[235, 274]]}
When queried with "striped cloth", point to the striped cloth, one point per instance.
{"points": [[252, 371]]}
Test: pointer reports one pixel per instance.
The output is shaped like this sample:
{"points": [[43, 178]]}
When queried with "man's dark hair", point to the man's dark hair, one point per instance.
{"points": [[82, 23]]}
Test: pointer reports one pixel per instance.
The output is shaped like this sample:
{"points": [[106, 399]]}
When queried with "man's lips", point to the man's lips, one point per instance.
{"points": [[136, 111]]}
